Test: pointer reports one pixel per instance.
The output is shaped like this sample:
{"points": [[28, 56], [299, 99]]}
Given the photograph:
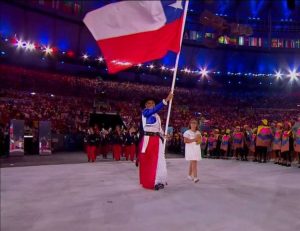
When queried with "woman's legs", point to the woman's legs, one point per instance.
{"points": [[193, 175], [194, 170], [190, 176]]}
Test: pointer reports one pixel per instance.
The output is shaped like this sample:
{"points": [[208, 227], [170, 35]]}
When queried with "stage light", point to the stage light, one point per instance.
{"points": [[203, 72], [163, 68], [32, 93], [186, 70], [52, 95], [19, 43], [100, 59], [85, 56], [27, 45], [139, 65], [48, 50], [292, 74], [70, 54], [3, 53], [278, 75], [30, 46], [151, 66]]}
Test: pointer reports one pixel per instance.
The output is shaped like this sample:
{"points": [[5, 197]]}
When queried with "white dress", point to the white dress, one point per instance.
{"points": [[192, 150]]}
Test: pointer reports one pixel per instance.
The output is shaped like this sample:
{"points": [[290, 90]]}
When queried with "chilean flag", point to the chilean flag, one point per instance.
{"points": [[133, 32]]}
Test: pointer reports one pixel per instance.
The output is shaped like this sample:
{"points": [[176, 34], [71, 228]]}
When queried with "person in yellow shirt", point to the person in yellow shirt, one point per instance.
{"points": [[263, 140]]}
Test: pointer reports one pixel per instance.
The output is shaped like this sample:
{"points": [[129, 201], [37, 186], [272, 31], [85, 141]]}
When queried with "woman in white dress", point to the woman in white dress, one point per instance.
{"points": [[192, 140]]}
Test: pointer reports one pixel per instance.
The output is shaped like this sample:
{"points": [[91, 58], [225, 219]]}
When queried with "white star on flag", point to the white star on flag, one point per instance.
{"points": [[177, 4]]}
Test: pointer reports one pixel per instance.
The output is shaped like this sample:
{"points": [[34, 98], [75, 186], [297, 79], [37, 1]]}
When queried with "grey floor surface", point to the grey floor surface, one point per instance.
{"points": [[58, 158], [231, 196]]}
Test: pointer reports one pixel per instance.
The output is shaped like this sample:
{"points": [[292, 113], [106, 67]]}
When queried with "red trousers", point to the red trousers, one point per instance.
{"points": [[148, 163], [130, 151], [91, 153], [117, 151]]}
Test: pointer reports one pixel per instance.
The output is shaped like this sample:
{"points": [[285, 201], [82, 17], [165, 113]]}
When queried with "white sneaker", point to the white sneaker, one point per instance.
{"points": [[190, 177], [196, 180]]}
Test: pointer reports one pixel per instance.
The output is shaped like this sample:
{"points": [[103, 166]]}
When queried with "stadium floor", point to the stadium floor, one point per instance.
{"points": [[57, 158], [230, 196]]}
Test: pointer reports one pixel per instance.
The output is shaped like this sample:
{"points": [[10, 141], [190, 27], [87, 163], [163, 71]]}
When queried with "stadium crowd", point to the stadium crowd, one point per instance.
{"points": [[67, 102]]}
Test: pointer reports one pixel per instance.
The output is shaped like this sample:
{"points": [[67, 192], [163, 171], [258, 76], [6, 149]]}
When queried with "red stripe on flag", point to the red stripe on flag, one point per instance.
{"points": [[123, 52]]}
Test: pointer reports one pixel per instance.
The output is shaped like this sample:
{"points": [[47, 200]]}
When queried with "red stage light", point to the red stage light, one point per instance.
{"points": [[70, 54]]}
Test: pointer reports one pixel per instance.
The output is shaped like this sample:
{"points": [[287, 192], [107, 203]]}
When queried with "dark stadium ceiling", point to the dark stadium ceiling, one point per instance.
{"points": [[242, 9], [261, 15]]}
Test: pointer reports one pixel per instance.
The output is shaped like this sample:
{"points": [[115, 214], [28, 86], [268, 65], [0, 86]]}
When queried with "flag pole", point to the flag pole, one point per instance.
{"points": [[175, 72]]}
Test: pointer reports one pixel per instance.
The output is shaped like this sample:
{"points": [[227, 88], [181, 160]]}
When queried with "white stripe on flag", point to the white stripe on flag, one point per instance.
{"points": [[125, 18]]}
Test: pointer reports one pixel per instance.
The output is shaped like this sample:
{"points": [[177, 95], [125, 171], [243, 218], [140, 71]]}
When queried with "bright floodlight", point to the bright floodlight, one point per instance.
{"points": [[293, 74], [151, 66], [85, 56], [29, 46], [278, 74], [163, 68], [19, 43], [48, 50], [203, 72], [100, 59]]}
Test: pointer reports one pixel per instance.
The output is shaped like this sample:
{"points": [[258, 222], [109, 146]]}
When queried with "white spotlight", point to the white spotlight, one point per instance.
{"points": [[48, 50], [203, 72], [85, 56], [100, 59], [151, 66], [278, 74], [29, 46], [293, 74], [19, 43]]}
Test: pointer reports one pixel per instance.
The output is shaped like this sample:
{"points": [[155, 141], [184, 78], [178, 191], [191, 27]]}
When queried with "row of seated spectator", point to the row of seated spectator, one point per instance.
{"points": [[68, 100]]}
